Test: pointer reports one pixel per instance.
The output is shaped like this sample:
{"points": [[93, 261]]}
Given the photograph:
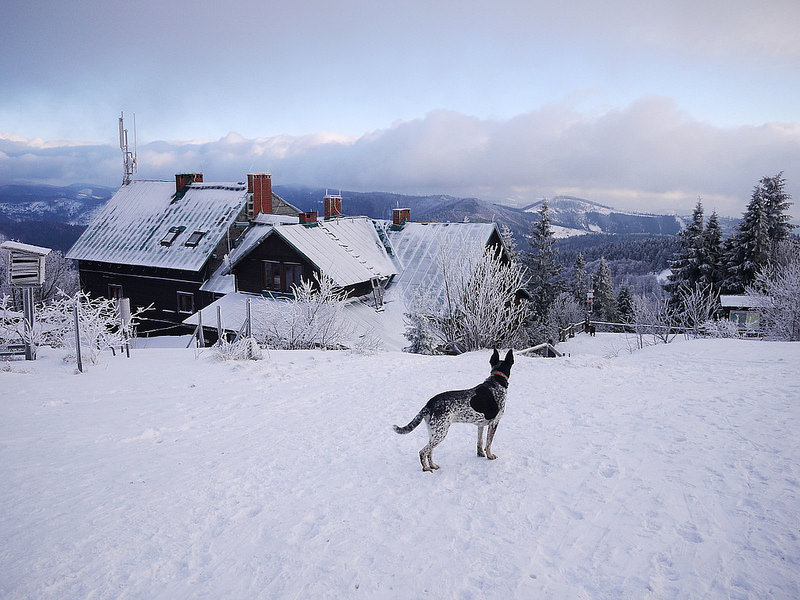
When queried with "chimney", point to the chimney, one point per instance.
{"points": [[400, 216], [260, 186], [184, 179], [308, 217], [333, 206]]}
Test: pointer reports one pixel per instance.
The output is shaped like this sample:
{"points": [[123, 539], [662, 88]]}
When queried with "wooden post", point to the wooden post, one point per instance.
{"points": [[27, 308], [78, 339], [249, 328], [201, 342]]}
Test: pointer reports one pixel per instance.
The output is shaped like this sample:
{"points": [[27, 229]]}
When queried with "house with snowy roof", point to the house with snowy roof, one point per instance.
{"points": [[381, 265], [159, 242]]}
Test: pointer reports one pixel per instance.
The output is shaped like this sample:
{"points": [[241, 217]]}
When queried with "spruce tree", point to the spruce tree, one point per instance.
{"points": [[580, 283], [776, 206], [625, 304], [711, 256], [542, 267], [750, 247], [605, 301], [686, 268]]}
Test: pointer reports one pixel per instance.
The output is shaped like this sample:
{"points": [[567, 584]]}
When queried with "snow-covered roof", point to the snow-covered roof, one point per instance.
{"points": [[418, 249], [20, 247], [136, 220], [347, 249], [740, 301]]}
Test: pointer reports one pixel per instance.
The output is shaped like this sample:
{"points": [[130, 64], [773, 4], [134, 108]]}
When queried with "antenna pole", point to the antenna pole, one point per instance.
{"points": [[128, 157]]}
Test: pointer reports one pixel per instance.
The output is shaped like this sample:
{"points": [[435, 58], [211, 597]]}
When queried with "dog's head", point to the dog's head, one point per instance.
{"points": [[503, 366]]}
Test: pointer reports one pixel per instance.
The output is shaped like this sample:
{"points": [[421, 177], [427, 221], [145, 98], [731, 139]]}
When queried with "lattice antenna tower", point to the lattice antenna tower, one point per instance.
{"points": [[128, 157]]}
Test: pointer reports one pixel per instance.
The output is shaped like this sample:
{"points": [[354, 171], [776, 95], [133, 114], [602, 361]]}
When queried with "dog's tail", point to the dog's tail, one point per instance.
{"points": [[412, 425]]}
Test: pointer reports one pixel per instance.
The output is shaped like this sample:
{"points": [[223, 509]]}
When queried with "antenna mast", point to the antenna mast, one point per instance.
{"points": [[128, 157]]}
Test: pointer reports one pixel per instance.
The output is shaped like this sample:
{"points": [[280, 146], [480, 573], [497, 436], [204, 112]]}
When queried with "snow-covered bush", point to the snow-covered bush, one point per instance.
{"points": [[653, 320], [695, 306], [312, 318], [474, 307], [11, 322], [777, 292], [245, 348], [98, 324], [724, 328], [564, 311]]}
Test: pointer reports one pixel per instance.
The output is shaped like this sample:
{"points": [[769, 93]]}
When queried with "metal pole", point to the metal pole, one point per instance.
{"points": [[249, 322], [219, 324], [78, 339]]}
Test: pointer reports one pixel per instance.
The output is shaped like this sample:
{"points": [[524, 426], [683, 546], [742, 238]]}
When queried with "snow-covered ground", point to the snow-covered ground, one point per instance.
{"points": [[670, 472]]}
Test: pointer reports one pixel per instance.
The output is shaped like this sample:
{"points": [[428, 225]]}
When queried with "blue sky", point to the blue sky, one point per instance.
{"points": [[644, 105]]}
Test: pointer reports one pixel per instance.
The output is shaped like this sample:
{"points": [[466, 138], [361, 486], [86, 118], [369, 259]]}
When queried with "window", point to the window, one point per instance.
{"points": [[280, 277], [194, 239], [185, 302], [170, 236], [114, 291]]}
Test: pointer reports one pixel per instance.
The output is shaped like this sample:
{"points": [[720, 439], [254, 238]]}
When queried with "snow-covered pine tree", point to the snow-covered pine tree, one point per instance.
{"points": [[776, 205], [625, 304], [510, 243], [605, 301], [711, 255], [580, 282], [542, 267], [686, 268], [750, 248]]}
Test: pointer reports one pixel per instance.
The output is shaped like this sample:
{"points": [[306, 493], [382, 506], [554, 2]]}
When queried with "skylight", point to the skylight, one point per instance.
{"points": [[170, 236], [194, 239]]}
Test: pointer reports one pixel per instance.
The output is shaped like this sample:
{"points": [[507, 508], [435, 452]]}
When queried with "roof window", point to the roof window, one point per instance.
{"points": [[170, 236], [194, 239]]}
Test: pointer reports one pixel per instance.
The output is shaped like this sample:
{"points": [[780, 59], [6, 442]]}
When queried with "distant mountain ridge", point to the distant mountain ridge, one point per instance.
{"points": [[580, 216], [75, 204], [35, 213]]}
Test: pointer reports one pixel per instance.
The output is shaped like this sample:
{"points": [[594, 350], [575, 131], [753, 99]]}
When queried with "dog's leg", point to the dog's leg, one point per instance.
{"points": [[423, 458], [489, 438], [480, 441]]}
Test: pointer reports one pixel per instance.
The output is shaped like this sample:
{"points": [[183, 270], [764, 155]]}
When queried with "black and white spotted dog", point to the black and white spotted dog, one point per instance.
{"points": [[482, 405]]}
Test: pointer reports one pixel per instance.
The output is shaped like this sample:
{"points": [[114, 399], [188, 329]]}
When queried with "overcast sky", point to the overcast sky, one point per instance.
{"points": [[643, 105]]}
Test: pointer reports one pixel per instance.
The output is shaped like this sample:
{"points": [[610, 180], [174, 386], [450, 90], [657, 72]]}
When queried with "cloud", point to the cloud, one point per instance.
{"points": [[650, 155]]}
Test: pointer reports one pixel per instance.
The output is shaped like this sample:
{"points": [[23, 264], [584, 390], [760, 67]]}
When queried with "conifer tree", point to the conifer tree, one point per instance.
{"points": [[542, 267], [711, 256], [580, 283], [776, 205], [625, 304], [686, 268], [750, 248], [605, 301]]}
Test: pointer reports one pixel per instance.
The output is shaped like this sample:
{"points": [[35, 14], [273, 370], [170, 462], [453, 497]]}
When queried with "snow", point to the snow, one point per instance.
{"points": [[668, 472]]}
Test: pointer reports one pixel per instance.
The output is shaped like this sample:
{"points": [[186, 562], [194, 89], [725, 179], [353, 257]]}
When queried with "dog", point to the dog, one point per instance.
{"points": [[482, 405], [592, 330]]}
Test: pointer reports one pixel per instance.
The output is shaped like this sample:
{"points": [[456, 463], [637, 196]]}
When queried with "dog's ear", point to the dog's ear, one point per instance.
{"points": [[495, 358], [510, 357]]}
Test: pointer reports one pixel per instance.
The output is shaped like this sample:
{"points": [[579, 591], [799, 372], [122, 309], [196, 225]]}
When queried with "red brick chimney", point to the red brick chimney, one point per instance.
{"points": [[333, 206], [261, 187], [184, 179], [400, 216], [308, 217]]}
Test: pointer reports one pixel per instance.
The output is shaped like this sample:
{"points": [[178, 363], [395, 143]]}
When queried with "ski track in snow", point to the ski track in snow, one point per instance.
{"points": [[669, 472]]}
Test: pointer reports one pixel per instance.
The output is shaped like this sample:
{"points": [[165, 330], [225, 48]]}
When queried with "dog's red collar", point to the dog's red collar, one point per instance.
{"points": [[503, 375]]}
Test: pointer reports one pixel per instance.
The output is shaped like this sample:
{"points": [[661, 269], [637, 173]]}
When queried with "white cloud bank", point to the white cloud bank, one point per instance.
{"points": [[649, 156]]}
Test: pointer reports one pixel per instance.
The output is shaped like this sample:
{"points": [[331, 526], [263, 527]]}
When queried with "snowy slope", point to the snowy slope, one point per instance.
{"points": [[671, 472]]}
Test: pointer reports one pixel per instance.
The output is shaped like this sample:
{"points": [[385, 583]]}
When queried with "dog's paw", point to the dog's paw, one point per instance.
{"points": [[491, 456], [481, 453]]}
